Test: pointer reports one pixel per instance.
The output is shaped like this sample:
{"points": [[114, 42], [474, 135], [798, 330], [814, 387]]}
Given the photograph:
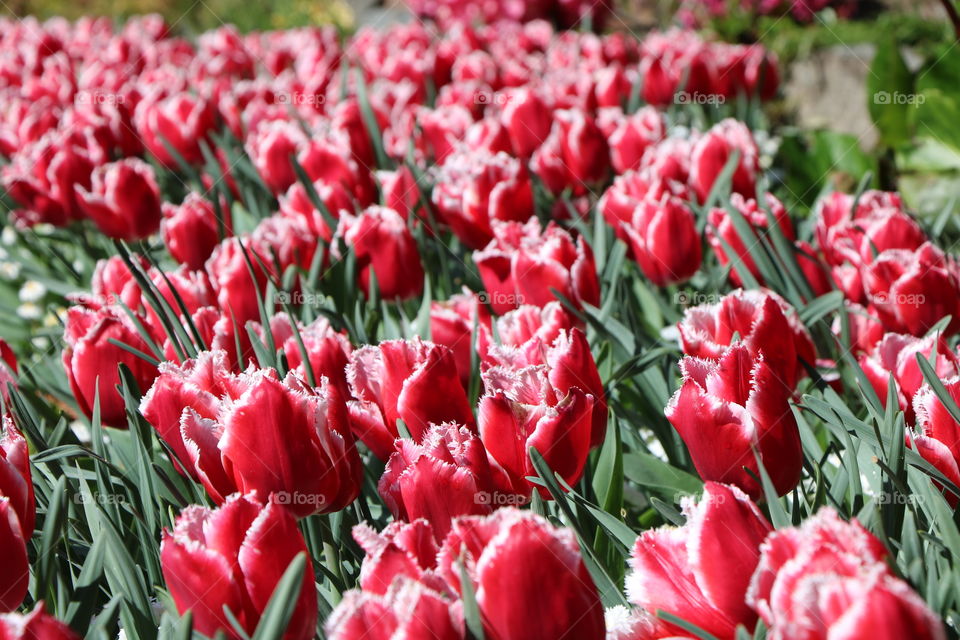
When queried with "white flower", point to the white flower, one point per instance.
{"points": [[32, 291]]}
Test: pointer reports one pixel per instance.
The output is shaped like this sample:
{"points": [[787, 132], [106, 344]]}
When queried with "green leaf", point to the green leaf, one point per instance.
{"points": [[889, 88], [276, 617]]}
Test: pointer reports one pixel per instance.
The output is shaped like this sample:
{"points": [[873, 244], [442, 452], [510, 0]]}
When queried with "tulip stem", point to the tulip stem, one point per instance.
{"points": [[331, 553]]}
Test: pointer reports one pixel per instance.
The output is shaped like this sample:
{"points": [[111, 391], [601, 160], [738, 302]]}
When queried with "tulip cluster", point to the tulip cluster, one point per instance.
{"points": [[410, 584], [726, 567]]}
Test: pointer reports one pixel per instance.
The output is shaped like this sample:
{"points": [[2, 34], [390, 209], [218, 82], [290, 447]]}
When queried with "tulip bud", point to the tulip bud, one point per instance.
{"points": [[234, 557], [664, 241], [91, 359], [384, 249], [508, 557], [522, 410], [700, 572], [713, 151], [574, 156], [191, 231], [629, 136], [527, 119], [123, 199], [727, 408], [414, 381]]}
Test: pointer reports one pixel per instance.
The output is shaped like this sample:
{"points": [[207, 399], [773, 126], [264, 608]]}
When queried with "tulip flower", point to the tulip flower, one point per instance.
{"points": [[474, 189], [446, 476], [410, 380], [36, 625], [762, 320], [527, 118], [43, 177], [302, 453], [234, 281], [528, 328], [234, 557], [629, 136], [407, 610], [663, 239], [191, 231], [879, 223], [574, 156], [401, 549], [724, 237], [384, 249], [725, 409], [897, 354], [713, 151], [328, 351], [913, 290], [181, 121], [523, 410], [937, 435], [524, 262], [509, 556], [829, 577], [700, 572], [91, 358], [123, 199]]}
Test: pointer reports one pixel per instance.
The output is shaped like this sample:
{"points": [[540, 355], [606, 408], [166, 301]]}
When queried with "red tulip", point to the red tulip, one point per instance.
{"points": [[937, 436], [414, 381], [402, 193], [233, 557], [191, 231], [237, 281], [474, 189], [713, 151], [727, 408], [8, 370], [528, 328], [912, 291], [42, 178], [574, 156], [620, 202], [452, 324], [36, 625], [663, 239], [15, 571], [385, 249], [700, 572], [629, 136], [303, 453], [526, 117], [123, 199], [897, 354], [829, 579], [522, 409], [91, 359], [408, 609], [446, 476], [522, 264], [328, 351], [401, 549], [15, 478], [509, 556], [722, 231], [270, 147], [761, 320], [181, 121]]}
